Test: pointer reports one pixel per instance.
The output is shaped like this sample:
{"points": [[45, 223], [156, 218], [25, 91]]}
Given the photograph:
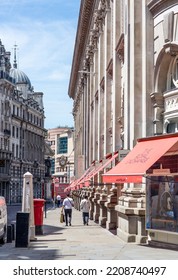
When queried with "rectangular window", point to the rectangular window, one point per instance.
{"points": [[62, 145], [13, 131], [13, 150], [162, 203], [17, 151], [13, 109], [17, 132]]}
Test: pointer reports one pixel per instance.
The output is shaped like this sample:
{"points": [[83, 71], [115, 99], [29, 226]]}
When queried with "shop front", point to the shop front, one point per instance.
{"points": [[162, 209], [153, 164]]}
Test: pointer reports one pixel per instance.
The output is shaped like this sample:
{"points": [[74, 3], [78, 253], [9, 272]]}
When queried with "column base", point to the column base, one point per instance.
{"points": [[131, 238]]}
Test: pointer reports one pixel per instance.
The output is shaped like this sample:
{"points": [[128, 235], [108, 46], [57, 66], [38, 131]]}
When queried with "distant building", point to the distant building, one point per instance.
{"points": [[62, 164], [22, 132]]}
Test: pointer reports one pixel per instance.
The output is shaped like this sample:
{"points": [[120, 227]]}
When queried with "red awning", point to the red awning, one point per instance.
{"points": [[73, 184], [87, 172], [100, 168], [92, 173], [76, 184], [147, 151]]}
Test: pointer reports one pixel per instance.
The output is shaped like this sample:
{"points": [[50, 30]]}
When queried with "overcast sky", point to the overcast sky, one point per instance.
{"points": [[44, 31]]}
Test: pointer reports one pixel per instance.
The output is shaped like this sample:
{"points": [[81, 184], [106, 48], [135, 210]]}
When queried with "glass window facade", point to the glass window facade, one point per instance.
{"points": [[62, 145]]}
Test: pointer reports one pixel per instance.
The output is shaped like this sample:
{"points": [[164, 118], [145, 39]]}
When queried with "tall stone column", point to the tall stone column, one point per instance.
{"points": [[131, 207]]}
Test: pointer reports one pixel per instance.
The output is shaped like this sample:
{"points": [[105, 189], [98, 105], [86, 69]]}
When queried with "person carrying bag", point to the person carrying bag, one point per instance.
{"points": [[62, 219]]}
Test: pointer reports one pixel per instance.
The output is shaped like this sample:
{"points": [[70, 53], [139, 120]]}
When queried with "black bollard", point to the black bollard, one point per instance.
{"points": [[22, 229]]}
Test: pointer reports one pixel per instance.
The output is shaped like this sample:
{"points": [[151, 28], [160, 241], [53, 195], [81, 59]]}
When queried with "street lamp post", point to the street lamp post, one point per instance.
{"points": [[35, 166], [45, 195]]}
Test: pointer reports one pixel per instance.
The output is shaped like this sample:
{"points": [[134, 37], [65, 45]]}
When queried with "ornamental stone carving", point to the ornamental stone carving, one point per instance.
{"points": [[158, 105], [171, 103], [171, 49]]}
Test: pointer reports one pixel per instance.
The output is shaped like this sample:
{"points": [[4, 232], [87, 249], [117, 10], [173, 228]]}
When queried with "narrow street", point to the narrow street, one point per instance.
{"points": [[79, 242]]}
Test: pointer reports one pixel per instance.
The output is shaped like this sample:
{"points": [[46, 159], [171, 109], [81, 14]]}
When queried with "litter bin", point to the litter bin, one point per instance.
{"points": [[38, 215]]}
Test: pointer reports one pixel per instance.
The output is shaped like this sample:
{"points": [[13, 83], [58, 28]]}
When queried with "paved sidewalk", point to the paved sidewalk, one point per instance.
{"points": [[79, 242]]}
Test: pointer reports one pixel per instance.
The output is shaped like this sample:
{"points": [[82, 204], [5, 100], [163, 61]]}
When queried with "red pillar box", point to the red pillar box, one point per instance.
{"points": [[38, 215]]}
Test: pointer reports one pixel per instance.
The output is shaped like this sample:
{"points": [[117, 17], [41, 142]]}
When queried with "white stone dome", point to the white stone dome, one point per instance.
{"points": [[20, 77]]}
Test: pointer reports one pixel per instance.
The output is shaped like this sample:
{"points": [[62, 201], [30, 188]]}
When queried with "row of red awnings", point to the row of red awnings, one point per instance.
{"points": [[90, 173], [135, 165]]}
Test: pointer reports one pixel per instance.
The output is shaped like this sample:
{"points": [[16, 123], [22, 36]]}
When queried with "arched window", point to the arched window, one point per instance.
{"points": [[171, 127], [172, 81], [175, 72]]}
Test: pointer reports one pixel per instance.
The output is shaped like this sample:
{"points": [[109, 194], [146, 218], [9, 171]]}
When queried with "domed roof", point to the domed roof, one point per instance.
{"points": [[20, 77]]}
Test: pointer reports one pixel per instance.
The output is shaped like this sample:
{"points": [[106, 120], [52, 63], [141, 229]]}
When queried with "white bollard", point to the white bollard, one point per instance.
{"points": [[27, 202]]}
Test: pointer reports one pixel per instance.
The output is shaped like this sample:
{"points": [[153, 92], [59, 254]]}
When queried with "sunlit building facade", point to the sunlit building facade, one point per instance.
{"points": [[124, 86]]}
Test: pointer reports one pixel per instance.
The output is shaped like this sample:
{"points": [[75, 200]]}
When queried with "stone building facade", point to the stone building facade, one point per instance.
{"points": [[124, 86], [22, 133]]}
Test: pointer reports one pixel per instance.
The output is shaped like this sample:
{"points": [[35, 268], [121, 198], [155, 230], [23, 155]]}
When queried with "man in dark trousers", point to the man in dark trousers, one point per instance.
{"points": [[85, 207], [68, 203]]}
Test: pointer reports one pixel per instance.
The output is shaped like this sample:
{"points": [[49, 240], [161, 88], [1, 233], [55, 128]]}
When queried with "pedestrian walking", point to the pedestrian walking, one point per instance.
{"points": [[58, 198], [68, 203], [85, 207]]}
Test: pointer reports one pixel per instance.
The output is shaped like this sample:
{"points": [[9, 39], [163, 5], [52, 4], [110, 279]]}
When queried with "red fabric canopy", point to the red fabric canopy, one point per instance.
{"points": [[141, 158], [100, 168]]}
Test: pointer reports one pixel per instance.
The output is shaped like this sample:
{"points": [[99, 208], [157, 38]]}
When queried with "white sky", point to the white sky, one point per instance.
{"points": [[45, 34]]}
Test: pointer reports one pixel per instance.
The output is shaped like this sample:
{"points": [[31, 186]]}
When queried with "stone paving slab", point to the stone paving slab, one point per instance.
{"points": [[80, 242]]}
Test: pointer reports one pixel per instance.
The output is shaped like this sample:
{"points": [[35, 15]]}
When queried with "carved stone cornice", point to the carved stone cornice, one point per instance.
{"points": [[105, 4], [90, 26], [85, 18], [93, 40], [158, 6], [97, 29], [99, 17], [79, 93]]}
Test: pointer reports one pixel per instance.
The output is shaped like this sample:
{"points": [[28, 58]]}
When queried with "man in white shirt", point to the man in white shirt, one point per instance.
{"points": [[68, 203], [85, 207], [58, 198]]}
